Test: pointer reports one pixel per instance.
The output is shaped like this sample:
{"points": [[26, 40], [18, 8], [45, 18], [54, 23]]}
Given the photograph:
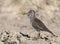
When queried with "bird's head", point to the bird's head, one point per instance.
{"points": [[31, 14]]}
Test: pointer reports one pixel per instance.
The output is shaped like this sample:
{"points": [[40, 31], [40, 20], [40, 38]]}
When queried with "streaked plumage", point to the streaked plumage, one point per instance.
{"points": [[36, 23]]}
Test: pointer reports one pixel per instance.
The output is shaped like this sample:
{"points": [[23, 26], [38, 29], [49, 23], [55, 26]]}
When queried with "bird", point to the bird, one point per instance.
{"points": [[36, 23]]}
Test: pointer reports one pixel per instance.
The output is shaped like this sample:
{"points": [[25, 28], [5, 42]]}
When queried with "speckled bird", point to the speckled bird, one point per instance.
{"points": [[37, 24]]}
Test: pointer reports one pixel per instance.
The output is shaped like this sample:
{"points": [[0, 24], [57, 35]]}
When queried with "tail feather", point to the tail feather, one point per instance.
{"points": [[51, 33]]}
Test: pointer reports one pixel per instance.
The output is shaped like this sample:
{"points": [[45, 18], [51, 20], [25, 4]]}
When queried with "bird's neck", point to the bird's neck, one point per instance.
{"points": [[32, 20]]}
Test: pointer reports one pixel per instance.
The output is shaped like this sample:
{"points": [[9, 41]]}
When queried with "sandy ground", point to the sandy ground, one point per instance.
{"points": [[13, 21]]}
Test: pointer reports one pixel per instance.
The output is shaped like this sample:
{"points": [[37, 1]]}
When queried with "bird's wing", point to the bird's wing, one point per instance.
{"points": [[40, 24], [37, 25]]}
